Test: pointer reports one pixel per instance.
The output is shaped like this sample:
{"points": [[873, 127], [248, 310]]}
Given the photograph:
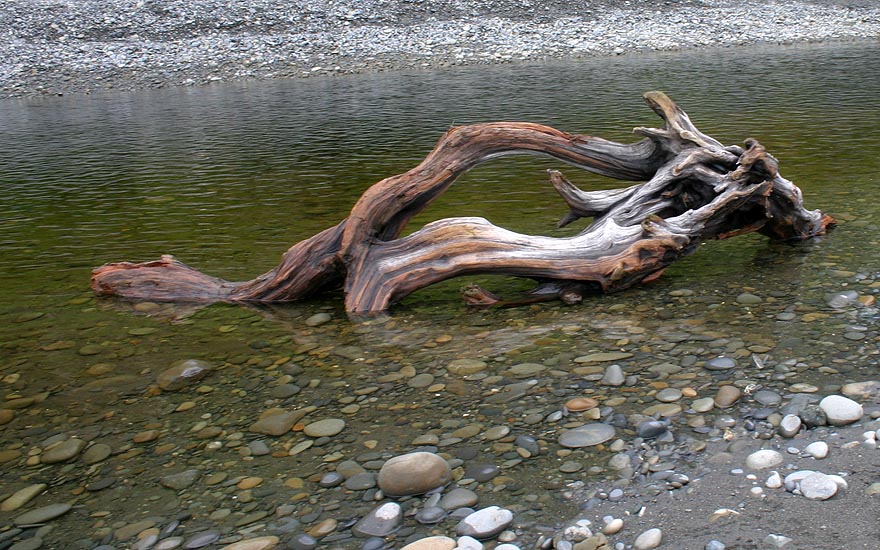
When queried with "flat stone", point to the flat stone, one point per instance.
{"points": [[463, 367], [318, 319], [840, 410], [580, 404], [861, 389], [259, 543], [720, 363], [668, 395], [458, 498], [380, 521], [767, 398], [128, 531], [432, 543], [63, 452], [180, 480], [96, 453], [278, 422], [485, 523], [182, 374], [6, 416], [413, 474], [44, 514], [327, 427], [765, 458], [704, 404], [603, 357], [22, 497], [525, 370], [748, 299], [587, 435]]}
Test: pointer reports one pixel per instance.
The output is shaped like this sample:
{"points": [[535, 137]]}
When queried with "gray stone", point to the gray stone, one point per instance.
{"points": [[63, 451], [485, 523], [381, 521], [767, 398], [43, 514], [587, 435], [430, 515], [720, 363], [180, 480], [458, 498], [790, 425], [613, 376], [650, 429], [96, 453], [183, 373], [776, 541]]}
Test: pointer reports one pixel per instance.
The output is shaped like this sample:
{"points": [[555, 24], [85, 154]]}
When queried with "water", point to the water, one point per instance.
{"points": [[227, 177]]}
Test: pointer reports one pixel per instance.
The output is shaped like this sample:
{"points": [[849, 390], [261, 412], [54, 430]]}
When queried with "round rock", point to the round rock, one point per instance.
{"points": [[413, 474], [648, 540], [840, 410]]}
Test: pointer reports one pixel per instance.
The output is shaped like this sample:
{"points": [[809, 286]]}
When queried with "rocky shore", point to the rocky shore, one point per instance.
{"points": [[79, 46]]}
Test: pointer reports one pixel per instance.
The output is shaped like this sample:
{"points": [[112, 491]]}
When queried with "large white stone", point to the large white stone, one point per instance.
{"points": [[765, 458], [840, 410], [649, 539]]}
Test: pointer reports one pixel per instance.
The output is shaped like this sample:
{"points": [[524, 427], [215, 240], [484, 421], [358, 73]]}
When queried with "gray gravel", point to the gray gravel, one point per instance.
{"points": [[67, 46]]}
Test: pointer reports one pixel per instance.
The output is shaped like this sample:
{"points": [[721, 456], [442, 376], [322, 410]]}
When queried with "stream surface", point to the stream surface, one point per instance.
{"points": [[226, 177]]}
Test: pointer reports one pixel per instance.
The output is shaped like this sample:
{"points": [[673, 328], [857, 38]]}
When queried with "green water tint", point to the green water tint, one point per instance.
{"points": [[227, 177]]}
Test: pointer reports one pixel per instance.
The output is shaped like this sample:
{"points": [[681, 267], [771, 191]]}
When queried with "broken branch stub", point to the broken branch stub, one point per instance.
{"points": [[694, 189]]}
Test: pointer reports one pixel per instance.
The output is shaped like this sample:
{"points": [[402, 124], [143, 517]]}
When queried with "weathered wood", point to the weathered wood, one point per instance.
{"points": [[697, 189]]}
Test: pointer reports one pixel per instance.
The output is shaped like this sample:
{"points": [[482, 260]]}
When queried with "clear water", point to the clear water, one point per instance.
{"points": [[226, 177]]}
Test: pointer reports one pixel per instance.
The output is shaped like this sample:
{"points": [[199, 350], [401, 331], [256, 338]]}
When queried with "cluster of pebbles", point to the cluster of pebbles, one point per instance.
{"points": [[398, 434], [86, 45]]}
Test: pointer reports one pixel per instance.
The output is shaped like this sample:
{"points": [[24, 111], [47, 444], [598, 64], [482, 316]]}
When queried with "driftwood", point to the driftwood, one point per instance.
{"points": [[694, 189]]}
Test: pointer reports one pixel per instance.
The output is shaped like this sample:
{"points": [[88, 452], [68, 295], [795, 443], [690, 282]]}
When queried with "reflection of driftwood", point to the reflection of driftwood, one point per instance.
{"points": [[696, 189]]}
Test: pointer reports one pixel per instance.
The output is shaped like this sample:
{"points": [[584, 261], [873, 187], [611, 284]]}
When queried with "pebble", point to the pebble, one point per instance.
{"points": [[464, 367], [817, 449], [587, 435], [765, 458], [720, 364], [96, 453], [727, 396], [648, 540], [413, 474], [318, 319], [381, 521], [840, 410], [613, 527], [485, 523], [277, 422], [579, 404], [180, 480]]}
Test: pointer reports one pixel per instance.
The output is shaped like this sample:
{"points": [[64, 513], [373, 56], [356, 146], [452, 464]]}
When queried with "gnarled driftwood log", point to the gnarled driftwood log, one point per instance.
{"points": [[694, 189]]}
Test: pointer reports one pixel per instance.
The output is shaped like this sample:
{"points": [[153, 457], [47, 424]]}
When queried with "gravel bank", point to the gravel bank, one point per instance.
{"points": [[78, 46]]}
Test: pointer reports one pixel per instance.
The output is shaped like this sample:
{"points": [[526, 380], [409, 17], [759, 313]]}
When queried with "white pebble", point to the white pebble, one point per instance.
{"points": [[817, 449], [774, 481], [612, 527]]}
